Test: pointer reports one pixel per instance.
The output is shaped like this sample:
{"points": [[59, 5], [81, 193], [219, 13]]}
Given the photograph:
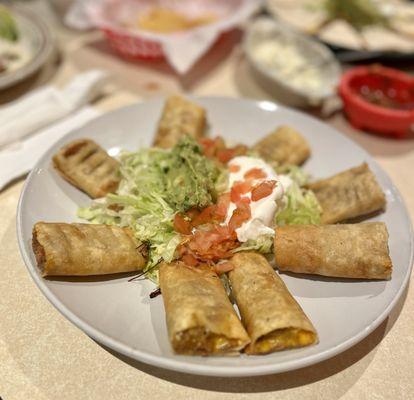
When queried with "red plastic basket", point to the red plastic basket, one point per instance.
{"points": [[133, 46]]}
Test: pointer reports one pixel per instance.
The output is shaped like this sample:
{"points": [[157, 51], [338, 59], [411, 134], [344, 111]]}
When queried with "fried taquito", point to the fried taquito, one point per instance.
{"points": [[272, 317], [88, 167], [86, 249], [200, 318], [180, 117], [349, 194], [343, 251], [284, 146]]}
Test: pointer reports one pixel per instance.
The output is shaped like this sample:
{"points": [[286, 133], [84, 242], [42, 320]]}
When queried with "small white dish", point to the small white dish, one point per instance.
{"points": [[36, 38], [120, 314], [266, 30]]}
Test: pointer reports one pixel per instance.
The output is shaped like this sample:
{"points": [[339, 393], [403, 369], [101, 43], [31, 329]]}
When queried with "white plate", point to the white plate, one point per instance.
{"points": [[120, 314]]}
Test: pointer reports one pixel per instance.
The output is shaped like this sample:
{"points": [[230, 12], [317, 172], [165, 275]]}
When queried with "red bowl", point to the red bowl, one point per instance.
{"points": [[379, 99]]}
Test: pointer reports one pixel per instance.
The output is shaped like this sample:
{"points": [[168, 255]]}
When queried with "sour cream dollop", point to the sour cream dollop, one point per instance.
{"points": [[263, 210]]}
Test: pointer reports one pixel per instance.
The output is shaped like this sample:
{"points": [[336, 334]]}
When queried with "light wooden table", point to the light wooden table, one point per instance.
{"points": [[43, 356]]}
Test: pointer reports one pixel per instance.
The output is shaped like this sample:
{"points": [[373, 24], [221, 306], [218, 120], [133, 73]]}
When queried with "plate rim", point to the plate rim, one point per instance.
{"points": [[184, 366]]}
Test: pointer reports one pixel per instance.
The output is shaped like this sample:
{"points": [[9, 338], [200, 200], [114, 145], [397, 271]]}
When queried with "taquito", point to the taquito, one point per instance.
{"points": [[343, 251], [87, 166], [272, 317], [180, 117], [349, 194], [200, 318], [86, 249], [284, 146]]}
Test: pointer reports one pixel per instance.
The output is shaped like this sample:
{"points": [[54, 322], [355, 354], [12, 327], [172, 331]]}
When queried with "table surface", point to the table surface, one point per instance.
{"points": [[43, 356]]}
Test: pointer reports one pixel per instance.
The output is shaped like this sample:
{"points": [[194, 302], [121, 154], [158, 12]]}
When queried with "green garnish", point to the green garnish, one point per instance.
{"points": [[155, 185], [359, 13], [8, 26], [301, 204]]}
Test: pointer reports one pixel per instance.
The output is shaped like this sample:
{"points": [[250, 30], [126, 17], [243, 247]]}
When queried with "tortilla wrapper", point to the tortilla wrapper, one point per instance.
{"points": [[87, 166], [200, 318], [180, 117], [86, 249], [343, 251], [284, 146], [272, 317], [349, 194]]}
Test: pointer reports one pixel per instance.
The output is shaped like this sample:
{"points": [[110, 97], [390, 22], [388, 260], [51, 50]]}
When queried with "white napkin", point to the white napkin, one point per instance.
{"points": [[181, 50], [20, 158], [46, 105]]}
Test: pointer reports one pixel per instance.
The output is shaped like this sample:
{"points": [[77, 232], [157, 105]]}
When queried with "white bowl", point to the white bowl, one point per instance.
{"points": [[263, 29], [37, 38]]}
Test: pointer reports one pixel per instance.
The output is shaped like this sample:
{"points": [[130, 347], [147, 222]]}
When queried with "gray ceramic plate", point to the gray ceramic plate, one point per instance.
{"points": [[120, 314], [37, 38]]}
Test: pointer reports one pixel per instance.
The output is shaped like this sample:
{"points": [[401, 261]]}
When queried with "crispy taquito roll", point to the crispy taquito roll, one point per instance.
{"points": [[200, 318], [285, 146], [349, 194], [88, 167], [343, 251], [180, 117], [86, 249], [272, 317]]}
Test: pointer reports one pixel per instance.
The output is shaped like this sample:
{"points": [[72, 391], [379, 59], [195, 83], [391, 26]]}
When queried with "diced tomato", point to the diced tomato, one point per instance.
{"points": [[263, 190], [244, 201], [208, 146], [181, 225], [212, 146], [216, 148], [255, 173], [224, 267], [226, 155], [240, 188], [189, 259], [234, 168], [240, 215], [192, 213], [206, 215], [214, 244], [222, 206]]}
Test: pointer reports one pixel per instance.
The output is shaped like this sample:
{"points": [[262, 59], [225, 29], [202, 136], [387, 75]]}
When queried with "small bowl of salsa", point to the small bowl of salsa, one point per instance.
{"points": [[379, 99]]}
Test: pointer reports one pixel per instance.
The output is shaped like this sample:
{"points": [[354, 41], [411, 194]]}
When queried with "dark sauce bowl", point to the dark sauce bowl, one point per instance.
{"points": [[379, 99]]}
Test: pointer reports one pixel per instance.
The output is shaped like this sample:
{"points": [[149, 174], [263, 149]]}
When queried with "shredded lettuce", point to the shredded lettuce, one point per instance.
{"points": [[263, 244], [301, 207], [155, 185], [297, 174]]}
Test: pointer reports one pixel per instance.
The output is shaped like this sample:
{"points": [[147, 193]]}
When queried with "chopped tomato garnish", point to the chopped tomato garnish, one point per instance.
{"points": [[181, 225], [240, 215], [212, 245], [263, 190], [192, 213], [224, 267], [222, 206], [212, 146], [206, 215], [189, 259], [234, 168], [255, 173], [226, 155], [244, 200], [238, 189], [216, 148]]}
